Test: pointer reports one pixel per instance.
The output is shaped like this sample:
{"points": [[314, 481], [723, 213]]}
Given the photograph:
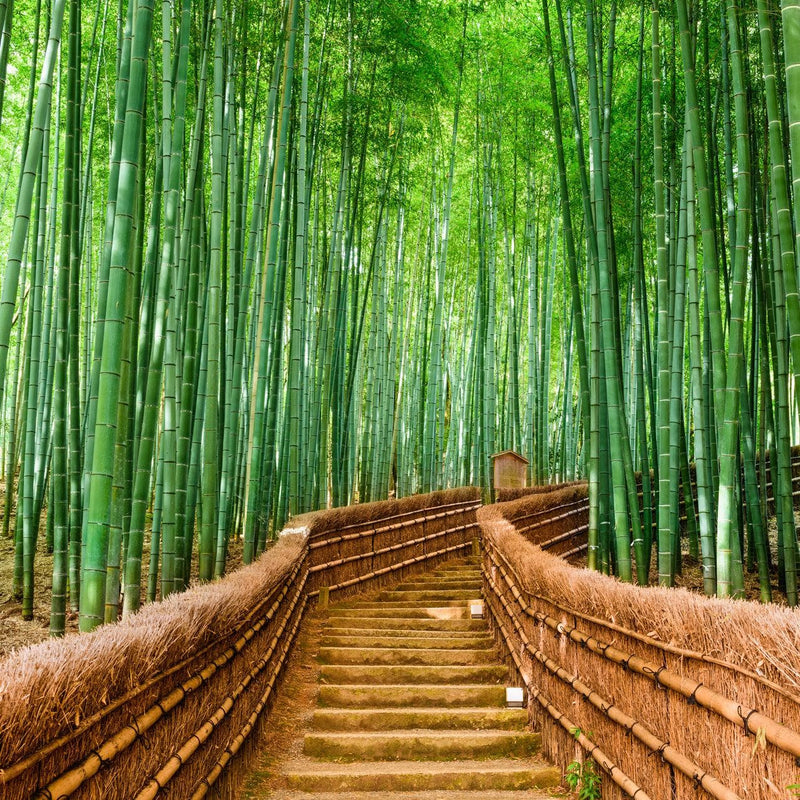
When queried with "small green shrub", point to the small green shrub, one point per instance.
{"points": [[583, 778]]}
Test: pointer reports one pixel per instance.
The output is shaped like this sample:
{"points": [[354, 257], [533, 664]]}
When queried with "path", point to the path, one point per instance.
{"points": [[411, 699]]}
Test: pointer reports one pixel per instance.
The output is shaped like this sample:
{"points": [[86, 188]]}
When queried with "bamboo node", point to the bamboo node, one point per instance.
{"points": [[659, 751], [697, 779], [134, 725], [103, 761], [161, 708]]}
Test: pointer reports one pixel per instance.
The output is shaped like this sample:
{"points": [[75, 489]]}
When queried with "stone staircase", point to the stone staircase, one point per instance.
{"points": [[412, 700]]}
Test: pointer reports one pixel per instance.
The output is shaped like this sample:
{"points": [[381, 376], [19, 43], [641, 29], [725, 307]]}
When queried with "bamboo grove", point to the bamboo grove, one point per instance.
{"points": [[266, 257]]}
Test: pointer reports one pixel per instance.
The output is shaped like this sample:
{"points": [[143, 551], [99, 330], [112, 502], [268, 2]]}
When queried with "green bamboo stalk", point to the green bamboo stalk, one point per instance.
{"points": [[101, 472]]}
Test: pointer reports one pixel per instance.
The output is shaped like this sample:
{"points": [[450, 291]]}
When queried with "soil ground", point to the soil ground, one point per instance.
{"points": [[15, 631]]}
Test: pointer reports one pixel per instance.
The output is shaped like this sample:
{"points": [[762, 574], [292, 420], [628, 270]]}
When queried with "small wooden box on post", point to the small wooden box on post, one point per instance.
{"points": [[510, 470]]}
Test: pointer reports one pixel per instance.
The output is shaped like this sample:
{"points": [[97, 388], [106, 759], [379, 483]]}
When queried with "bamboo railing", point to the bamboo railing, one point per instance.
{"points": [[609, 672]]}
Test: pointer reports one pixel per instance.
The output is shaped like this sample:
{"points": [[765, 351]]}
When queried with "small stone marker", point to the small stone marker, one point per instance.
{"points": [[515, 697], [324, 597], [476, 609]]}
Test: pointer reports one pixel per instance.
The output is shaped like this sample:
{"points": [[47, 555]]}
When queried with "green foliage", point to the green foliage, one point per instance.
{"points": [[582, 777]]}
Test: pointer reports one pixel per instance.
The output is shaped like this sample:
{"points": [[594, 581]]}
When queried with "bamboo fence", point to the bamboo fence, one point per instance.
{"points": [[172, 702], [673, 694]]}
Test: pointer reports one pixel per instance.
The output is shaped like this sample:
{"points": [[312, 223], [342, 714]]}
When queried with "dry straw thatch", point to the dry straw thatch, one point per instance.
{"points": [[80, 690], [621, 661], [175, 692], [507, 495]]}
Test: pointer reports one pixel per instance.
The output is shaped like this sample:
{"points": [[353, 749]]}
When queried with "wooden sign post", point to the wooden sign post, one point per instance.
{"points": [[510, 470]]}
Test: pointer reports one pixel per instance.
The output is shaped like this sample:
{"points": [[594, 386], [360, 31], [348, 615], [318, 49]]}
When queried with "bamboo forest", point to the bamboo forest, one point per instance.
{"points": [[269, 256]]}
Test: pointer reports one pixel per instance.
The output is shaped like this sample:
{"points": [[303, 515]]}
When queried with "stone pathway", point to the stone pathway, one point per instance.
{"points": [[411, 703]]}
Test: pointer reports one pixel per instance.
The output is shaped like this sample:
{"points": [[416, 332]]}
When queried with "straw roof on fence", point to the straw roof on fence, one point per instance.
{"points": [[60, 683], [538, 502], [363, 513], [507, 495], [762, 638]]}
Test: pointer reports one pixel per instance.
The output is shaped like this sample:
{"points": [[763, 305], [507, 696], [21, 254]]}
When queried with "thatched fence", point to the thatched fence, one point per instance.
{"points": [[173, 700], [674, 695]]}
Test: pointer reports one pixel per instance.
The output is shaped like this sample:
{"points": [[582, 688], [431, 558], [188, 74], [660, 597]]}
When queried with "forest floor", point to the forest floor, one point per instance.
{"points": [[691, 577], [16, 632], [691, 572]]}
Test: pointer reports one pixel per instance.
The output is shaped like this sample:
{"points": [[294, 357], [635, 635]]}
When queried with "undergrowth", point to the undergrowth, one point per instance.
{"points": [[583, 777]]}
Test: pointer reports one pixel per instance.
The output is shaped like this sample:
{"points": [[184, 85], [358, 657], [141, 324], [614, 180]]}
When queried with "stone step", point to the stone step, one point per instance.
{"points": [[425, 584], [415, 776], [397, 655], [402, 639], [355, 674], [466, 562], [383, 719], [426, 628], [428, 595], [418, 695], [401, 604], [447, 575], [406, 623], [415, 611], [420, 745]]}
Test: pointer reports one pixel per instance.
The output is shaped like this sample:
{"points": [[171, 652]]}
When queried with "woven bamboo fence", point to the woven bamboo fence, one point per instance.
{"points": [[173, 701], [361, 547], [557, 520], [673, 694]]}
